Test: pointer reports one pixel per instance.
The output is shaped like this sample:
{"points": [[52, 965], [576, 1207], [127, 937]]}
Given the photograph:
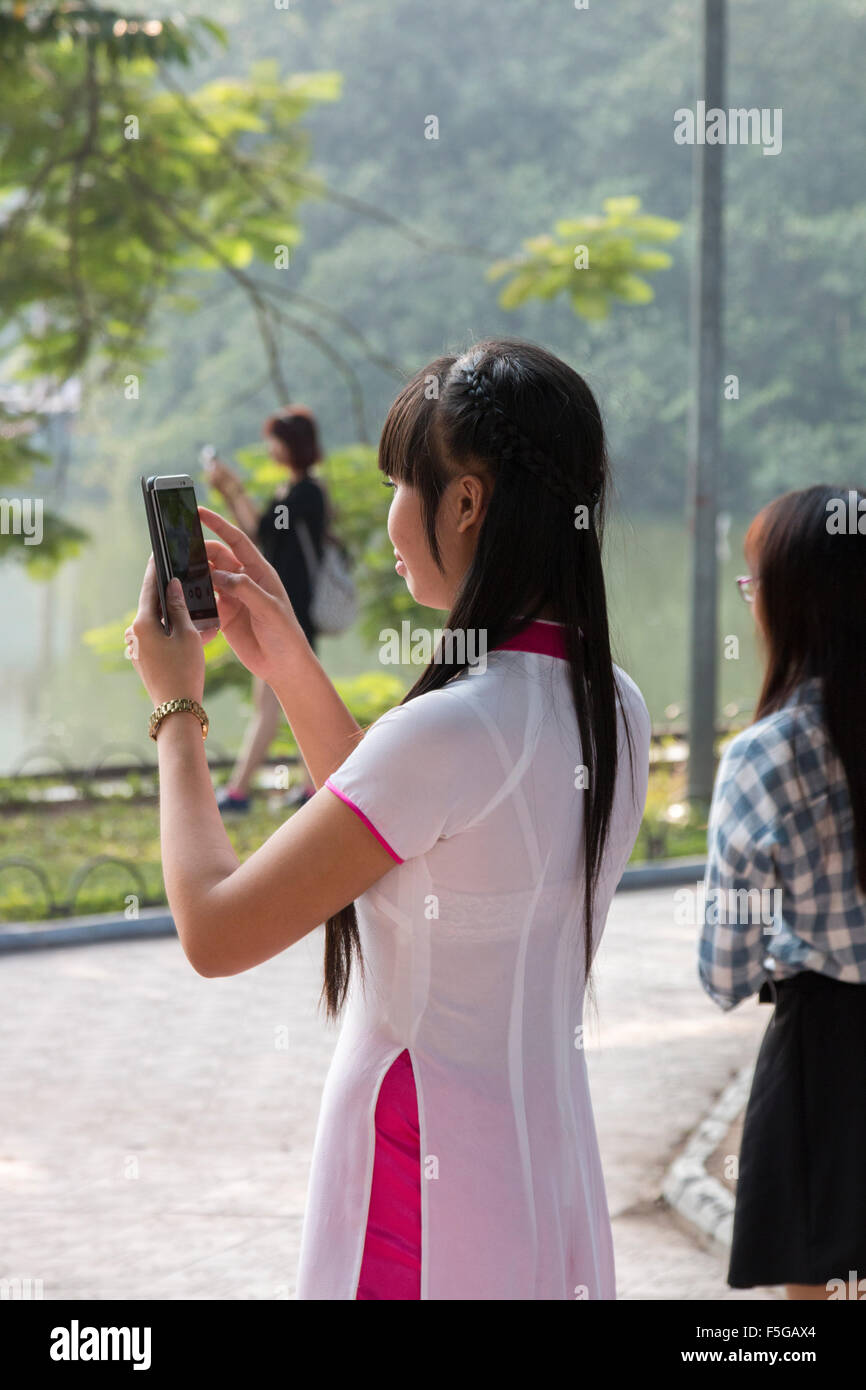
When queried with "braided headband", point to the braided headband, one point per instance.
{"points": [[480, 388]]}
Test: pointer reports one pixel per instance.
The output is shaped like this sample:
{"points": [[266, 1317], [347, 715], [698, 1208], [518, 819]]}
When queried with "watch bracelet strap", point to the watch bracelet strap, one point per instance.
{"points": [[170, 707]]}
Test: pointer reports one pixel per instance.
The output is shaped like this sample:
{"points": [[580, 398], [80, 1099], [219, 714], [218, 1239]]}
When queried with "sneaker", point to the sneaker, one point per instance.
{"points": [[229, 802]]}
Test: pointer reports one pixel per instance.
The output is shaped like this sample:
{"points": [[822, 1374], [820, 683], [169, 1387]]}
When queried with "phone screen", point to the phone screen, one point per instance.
{"points": [[187, 557]]}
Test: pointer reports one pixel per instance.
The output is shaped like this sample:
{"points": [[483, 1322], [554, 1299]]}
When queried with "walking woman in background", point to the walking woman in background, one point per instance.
{"points": [[789, 813], [462, 851], [292, 440]]}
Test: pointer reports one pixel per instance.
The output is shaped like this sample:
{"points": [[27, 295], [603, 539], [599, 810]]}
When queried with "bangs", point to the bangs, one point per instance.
{"points": [[409, 448]]}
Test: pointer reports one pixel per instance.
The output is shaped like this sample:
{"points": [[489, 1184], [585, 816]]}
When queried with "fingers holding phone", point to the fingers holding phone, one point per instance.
{"points": [[221, 558], [256, 615], [244, 552], [261, 629]]}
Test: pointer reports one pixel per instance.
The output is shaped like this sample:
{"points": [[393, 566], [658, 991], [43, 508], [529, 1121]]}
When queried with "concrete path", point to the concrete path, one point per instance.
{"points": [[158, 1126], [659, 1057]]}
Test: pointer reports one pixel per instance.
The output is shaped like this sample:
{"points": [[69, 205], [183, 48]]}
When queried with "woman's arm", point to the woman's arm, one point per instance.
{"points": [[258, 622], [244, 510], [742, 899], [232, 916], [230, 487], [229, 915], [324, 729], [196, 851]]}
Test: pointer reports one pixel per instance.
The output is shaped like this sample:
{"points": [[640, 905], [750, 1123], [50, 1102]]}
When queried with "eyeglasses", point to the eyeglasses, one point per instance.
{"points": [[747, 584]]}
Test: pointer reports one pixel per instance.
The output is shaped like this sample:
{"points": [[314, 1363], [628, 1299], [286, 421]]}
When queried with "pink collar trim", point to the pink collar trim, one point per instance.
{"points": [[541, 635]]}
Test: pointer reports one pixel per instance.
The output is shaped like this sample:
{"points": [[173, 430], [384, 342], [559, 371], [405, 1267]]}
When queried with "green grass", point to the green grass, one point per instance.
{"points": [[62, 842]]}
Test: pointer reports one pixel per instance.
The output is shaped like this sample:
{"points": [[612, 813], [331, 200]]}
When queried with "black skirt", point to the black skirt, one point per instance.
{"points": [[800, 1213]]}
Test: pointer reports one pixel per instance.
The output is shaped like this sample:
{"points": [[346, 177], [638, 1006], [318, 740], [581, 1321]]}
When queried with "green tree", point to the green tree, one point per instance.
{"points": [[123, 191], [116, 184], [592, 260]]}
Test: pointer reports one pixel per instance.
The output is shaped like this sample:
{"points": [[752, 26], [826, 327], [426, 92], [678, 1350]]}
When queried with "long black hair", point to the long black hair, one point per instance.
{"points": [[811, 563], [509, 411]]}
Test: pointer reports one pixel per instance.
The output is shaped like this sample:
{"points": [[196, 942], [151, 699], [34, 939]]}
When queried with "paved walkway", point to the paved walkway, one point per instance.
{"points": [[659, 1057], [158, 1126]]}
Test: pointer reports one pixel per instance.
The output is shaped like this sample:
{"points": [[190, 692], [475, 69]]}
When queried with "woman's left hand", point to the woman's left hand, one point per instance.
{"points": [[170, 667]]}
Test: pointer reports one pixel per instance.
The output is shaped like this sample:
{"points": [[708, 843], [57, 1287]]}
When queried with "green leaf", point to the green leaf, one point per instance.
{"points": [[616, 250]]}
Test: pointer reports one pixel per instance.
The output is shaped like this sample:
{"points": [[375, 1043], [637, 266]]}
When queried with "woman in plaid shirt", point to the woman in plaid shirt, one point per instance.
{"points": [[785, 900]]}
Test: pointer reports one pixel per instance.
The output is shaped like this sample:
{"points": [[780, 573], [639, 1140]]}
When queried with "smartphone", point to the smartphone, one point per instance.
{"points": [[178, 546]]}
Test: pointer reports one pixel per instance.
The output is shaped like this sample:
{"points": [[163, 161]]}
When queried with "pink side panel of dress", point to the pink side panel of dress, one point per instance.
{"points": [[391, 1267]]}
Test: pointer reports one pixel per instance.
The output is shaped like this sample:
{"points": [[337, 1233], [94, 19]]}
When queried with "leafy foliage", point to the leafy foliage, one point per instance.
{"points": [[613, 255], [113, 188]]}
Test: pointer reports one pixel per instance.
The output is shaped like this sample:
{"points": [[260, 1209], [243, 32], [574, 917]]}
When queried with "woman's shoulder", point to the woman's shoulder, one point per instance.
{"points": [[776, 770], [469, 706], [447, 711], [423, 771], [307, 487], [308, 499], [773, 765], [445, 733]]}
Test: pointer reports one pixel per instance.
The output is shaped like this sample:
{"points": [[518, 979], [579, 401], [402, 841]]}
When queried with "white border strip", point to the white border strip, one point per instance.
{"points": [[687, 1187]]}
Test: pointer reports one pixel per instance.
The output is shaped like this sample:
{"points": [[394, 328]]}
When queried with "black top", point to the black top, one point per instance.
{"points": [[280, 546]]}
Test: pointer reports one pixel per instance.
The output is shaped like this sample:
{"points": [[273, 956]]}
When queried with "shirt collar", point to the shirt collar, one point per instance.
{"points": [[541, 635], [809, 691]]}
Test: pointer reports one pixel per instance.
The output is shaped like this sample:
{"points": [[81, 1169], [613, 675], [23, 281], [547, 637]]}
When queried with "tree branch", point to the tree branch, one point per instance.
{"points": [[377, 358], [345, 367], [55, 161], [83, 328], [260, 307], [319, 188]]}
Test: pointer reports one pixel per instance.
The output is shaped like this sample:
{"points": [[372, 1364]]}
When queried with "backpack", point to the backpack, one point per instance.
{"points": [[334, 597]]}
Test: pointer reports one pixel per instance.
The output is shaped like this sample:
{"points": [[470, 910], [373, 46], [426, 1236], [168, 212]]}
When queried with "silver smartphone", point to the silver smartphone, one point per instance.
{"points": [[178, 546]]}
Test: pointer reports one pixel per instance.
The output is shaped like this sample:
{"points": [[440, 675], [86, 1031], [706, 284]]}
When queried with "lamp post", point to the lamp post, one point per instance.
{"points": [[703, 434]]}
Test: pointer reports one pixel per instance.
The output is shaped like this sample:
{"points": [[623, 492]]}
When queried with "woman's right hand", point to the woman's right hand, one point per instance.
{"points": [[255, 612]]}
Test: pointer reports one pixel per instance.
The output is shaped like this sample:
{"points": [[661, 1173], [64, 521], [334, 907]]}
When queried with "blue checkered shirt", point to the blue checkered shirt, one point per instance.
{"points": [[780, 819]]}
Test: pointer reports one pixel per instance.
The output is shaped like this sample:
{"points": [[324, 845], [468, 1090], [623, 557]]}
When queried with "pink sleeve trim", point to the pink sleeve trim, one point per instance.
{"points": [[358, 812]]}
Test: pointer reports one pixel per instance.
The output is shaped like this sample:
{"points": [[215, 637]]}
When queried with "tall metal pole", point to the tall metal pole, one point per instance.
{"points": [[703, 432]]}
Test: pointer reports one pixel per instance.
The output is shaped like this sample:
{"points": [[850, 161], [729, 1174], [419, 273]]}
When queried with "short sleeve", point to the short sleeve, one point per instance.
{"points": [[421, 772]]}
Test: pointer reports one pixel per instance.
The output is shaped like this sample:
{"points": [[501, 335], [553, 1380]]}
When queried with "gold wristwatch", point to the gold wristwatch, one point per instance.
{"points": [[169, 706]]}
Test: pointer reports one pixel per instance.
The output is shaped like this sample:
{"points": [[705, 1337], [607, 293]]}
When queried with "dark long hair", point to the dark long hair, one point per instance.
{"points": [[812, 604], [511, 412]]}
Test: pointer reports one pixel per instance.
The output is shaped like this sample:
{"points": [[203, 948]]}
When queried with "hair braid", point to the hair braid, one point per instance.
{"points": [[515, 447]]}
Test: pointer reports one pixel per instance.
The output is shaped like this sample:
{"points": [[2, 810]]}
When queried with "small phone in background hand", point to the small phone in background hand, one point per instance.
{"points": [[206, 456], [178, 546]]}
